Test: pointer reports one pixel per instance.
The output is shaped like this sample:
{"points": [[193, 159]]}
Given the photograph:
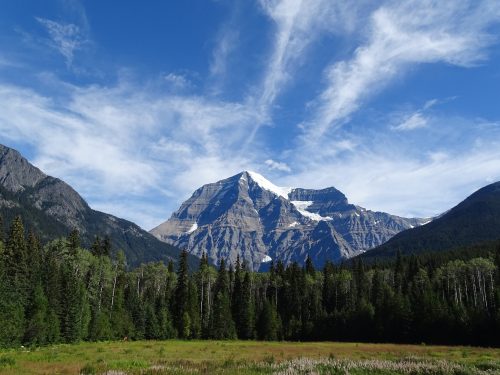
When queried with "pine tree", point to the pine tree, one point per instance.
{"points": [[36, 332], [247, 311], [167, 330], [74, 242], [222, 324], [11, 313], [237, 298], [106, 247], [193, 311], [152, 330], [180, 307], [398, 273], [16, 260], [75, 307], [267, 327], [309, 266], [96, 248]]}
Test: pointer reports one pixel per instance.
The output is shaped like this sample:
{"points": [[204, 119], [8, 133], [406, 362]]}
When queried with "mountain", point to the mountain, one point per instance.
{"points": [[53, 208], [249, 216], [473, 221]]}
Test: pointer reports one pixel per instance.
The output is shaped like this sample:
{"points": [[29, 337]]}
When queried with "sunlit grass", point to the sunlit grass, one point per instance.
{"points": [[248, 357]]}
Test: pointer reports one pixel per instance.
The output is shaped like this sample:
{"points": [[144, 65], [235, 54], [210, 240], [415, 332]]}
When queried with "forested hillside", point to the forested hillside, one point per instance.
{"points": [[63, 293], [474, 220], [53, 208]]}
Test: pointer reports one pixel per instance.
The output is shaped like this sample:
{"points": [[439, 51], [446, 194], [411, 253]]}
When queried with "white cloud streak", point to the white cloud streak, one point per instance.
{"points": [[298, 23], [276, 165], [412, 122], [123, 142], [66, 38], [401, 35]]}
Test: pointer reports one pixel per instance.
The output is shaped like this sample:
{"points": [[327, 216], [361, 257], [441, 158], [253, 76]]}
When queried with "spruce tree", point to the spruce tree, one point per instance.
{"points": [[310, 266], [237, 298], [180, 307], [16, 260], [267, 327], [36, 332], [222, 324], [96, 248], [152, 329], [74, 242], [193, 311], [106, 247], [246, 328]]}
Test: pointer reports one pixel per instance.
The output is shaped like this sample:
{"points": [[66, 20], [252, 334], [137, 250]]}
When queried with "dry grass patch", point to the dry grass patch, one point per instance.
{"points": [[229, 357]]}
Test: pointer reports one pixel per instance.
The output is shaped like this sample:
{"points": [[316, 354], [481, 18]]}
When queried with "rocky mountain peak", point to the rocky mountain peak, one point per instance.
{"points": [[16, 173], [249, 216]]}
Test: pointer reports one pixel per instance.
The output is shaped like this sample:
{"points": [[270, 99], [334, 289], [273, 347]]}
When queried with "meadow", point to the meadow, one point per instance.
{"points": [[248, 357]]}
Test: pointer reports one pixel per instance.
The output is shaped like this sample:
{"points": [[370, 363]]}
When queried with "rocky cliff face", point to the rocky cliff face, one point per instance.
{"points": [[247, 215], [53, 208]]}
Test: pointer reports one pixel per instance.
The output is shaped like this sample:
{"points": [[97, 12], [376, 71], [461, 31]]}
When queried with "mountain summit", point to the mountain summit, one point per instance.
{"points": [[249, 216]]}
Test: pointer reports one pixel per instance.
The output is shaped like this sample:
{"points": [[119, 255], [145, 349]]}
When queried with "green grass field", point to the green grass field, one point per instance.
{"points": [[248, 357]]}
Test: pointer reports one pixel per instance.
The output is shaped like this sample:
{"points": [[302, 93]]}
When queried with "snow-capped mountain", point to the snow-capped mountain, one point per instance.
{"points": [[249, 216]]}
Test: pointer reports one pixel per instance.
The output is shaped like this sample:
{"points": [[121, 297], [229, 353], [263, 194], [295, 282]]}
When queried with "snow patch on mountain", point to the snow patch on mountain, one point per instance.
{"points": [[268, 185], [267, 259], [301, 206], [193, 228]]}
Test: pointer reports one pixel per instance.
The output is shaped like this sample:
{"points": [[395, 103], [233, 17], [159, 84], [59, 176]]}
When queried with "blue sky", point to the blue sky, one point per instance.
{"points": [[136, 104]]}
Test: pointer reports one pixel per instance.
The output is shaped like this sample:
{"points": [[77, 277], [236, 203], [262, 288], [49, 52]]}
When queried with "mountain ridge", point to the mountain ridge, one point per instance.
{"points": [[248, 216], [474, 220], [53, 208]]}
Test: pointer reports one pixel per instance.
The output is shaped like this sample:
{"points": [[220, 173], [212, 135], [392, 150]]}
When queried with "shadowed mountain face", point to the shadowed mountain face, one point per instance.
{"points": [[53, 208], [247, 215], [475, 220]]}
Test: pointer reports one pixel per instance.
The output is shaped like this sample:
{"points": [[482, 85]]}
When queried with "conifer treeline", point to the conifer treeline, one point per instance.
{"points": [[63, 293]]}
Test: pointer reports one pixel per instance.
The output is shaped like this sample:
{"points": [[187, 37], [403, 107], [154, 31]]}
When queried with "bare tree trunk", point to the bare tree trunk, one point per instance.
{"points": [[113, 293]]}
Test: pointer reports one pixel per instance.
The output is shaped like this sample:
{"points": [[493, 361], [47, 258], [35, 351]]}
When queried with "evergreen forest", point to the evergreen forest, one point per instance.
{"points": [[59, 292]]}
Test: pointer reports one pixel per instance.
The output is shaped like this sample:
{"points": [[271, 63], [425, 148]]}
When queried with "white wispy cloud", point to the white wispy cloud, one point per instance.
{"points": [[298, 23], [277, 165], [67, 38], [123, 141], [412, 122], [401, 35], [226, 42], [177, 81]]}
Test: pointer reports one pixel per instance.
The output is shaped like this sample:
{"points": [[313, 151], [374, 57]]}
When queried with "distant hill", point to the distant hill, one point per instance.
{"points": [[53, 208], [473, 221]]}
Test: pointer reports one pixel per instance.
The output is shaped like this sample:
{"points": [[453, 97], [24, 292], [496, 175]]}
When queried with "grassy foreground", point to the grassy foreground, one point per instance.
{"points": [[248, 357]]}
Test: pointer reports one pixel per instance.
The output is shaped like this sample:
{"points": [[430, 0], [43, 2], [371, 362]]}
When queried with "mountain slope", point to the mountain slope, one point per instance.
{"points": [[53, 208], [247, 215], [475, 220]]}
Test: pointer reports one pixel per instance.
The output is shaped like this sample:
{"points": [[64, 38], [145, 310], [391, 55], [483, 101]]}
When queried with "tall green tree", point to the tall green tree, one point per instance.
{"points": [[180, 308], [222, 324], [268, 324], [246, 329]]}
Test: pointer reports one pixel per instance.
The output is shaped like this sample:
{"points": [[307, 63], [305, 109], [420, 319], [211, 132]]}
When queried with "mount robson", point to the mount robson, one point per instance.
{"points": [[248, 216]]}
